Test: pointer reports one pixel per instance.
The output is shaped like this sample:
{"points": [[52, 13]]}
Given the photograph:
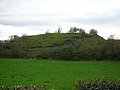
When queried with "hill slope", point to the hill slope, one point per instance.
{"points": [[56, 39], [64, 46]]}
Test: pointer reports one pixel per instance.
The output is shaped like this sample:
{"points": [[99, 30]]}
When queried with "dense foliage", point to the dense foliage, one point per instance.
{"points": [[65, 46], [101, 84]]}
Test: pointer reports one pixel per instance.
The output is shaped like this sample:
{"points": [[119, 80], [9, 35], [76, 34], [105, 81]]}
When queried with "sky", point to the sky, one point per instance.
{"points": [[32, 17]]}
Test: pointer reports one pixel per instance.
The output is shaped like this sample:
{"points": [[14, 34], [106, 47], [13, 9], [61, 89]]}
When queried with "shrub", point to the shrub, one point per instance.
{"points": [[23, 87], [99, 84]]}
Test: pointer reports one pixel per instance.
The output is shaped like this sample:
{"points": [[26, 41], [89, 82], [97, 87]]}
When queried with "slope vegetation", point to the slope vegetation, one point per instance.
{"points": [[72, 46], [63, 46]]}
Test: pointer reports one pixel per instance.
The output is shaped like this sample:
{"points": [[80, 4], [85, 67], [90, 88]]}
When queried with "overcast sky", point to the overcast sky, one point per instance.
{"points": [[32, 17]]}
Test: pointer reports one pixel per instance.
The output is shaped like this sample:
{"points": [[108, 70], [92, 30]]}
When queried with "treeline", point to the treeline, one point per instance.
{"points": [[81, 47]]}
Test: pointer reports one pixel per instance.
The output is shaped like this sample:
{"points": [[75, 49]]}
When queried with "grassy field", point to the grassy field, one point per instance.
{"points": [[60, 75]]}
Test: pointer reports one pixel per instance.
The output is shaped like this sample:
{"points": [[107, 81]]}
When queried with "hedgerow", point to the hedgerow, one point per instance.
{"points": [[98, 84], [24, 87]]}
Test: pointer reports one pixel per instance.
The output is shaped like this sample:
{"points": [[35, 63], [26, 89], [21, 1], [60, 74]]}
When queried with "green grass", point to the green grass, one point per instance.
{"points": [[54, 38], [48, 39], [60, 75]]}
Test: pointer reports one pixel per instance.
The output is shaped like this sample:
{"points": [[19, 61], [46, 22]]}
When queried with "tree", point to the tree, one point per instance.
{"points": [[59, 29], [71, 30], [5, 47], [1, 48], [112, 48], [81, 31], [23, 35], [74, 29], [109, 47], [93, 31], [18, 46], [111, 37], [13, 37], [47, 31]]}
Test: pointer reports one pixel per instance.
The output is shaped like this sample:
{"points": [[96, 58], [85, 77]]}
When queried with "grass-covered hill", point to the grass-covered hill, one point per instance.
{"points": [[52, 40], [68, 46]]}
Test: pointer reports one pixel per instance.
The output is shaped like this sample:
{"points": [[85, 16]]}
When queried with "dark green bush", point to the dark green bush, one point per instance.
{"points": [[100, 84]]}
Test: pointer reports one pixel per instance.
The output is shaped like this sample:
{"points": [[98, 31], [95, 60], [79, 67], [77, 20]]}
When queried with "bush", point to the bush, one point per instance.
{"points": [[22, 87], [100, 84]]}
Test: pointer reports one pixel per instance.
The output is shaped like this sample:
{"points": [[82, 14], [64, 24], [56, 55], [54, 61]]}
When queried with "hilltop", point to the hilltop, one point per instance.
{"points": [[58, 39]]}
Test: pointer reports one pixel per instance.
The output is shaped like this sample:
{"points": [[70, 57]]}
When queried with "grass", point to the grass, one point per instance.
{"points": [[60, 75], [48, 39], [53, 38]]}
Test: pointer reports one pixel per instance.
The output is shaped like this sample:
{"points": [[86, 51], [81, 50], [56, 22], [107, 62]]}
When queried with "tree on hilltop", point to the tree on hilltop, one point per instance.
{"points": [[93, 31]]}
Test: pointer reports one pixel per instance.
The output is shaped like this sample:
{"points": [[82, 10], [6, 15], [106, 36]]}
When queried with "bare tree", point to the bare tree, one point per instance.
{"points": [[13, 37], [111, 37], [47, 31], [59, 29]]}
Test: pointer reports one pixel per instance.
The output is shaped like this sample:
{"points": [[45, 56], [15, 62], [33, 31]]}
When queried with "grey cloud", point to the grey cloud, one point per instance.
{"points": [[27, 21], [95, 18], [17, 19], [52, 20], [20, 5], [48, 19]]}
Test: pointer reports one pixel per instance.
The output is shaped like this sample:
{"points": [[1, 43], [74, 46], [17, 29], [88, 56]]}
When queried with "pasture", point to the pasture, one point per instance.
{"points": [[60, 75]]}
